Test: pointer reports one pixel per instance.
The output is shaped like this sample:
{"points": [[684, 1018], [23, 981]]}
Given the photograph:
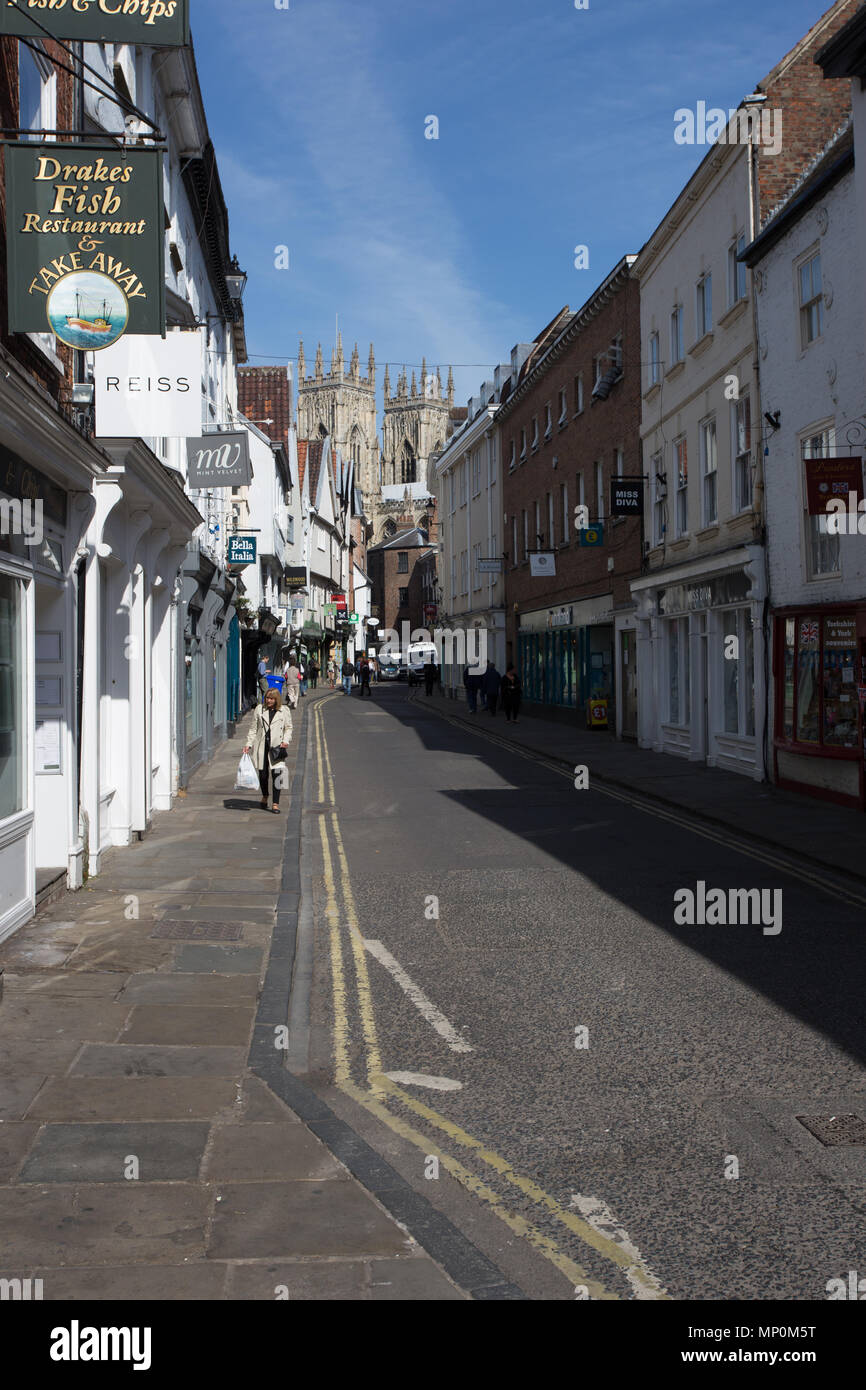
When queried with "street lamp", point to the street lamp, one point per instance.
{"points": [[236, 281]]}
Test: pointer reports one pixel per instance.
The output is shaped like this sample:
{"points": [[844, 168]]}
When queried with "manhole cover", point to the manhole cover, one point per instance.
{"points": [[835, 1129], [198, 931]]}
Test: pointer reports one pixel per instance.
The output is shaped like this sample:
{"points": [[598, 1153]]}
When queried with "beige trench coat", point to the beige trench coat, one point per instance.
{"points": [[281, 732], [292, 682]]}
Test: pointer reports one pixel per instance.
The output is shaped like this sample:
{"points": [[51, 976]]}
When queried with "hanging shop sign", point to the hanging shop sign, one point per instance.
{"points": [[162, 23], [294, 577], [147, 387], [489, 566], [828, 478], [592, 535], [241, 550], [542, 563], [626, 496], [85, 242], [219, 460]]}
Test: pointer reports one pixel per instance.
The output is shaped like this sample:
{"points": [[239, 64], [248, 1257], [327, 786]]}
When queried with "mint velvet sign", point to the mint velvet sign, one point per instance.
{"points": [[164, 23], [85, 242], [219, 460]]}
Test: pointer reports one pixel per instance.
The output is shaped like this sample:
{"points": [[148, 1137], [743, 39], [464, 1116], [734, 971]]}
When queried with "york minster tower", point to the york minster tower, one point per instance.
{"points": [[342, 404]]}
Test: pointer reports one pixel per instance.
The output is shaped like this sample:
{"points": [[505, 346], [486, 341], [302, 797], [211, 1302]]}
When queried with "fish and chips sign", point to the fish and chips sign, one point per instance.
{"points": [[85, 242], [164, 23]]}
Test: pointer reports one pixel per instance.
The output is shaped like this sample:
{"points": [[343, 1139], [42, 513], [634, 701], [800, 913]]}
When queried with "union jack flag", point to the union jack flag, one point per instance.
{"points": [[808, 633]]}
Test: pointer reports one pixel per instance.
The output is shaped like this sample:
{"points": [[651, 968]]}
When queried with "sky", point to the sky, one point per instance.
{"points": [[555, 130]]}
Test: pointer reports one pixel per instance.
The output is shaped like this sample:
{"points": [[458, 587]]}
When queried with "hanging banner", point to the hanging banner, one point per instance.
{"points": [[626, 496], [149, 387], [162, 23], [219, 460], [85, 242], [828, 478]]}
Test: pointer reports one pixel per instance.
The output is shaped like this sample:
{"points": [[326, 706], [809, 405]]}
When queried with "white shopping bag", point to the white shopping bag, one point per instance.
{"points": [[247, 779]]}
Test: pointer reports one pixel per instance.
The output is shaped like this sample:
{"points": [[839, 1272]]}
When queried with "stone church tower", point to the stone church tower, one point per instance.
{"points": [[342, 404], [414, 428]]}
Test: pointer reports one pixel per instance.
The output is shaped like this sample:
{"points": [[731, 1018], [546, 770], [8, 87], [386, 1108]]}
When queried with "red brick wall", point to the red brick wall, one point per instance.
{"points": [[604, 426], [17, 343], [812, 109], [387, 581]]}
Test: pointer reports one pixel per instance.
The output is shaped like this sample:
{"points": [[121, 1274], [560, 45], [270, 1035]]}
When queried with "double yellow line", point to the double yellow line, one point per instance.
{"points": [[379, 1092]]}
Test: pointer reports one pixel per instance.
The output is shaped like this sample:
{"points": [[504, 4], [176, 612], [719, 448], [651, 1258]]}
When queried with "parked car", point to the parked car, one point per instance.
{"points": [[391, 670], [418, 656]]}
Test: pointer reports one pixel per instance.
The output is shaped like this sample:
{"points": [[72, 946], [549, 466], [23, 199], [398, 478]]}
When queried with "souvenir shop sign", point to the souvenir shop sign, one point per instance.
{"points": [[163, 23], [85, 242], [828, 478]]}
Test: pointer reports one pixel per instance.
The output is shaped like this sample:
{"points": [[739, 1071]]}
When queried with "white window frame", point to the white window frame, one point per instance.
{"points": [[563, 406], [741, 480], [824, 435], [476, 472], [535, 438], [548, 420], [704, 306], [566, 517], [737, 284], [815, 301], [677, 335], [709, 470], [680, 449], [657, 467], [654, 359], [578, 394], [523, 445], [598, 480]]}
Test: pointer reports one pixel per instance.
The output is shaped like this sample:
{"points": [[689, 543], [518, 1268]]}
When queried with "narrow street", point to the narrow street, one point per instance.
{"points": [[474, 912]]}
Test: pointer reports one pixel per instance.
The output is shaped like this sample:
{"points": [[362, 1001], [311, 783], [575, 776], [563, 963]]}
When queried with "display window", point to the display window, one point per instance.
{"points": [[819, 704]]}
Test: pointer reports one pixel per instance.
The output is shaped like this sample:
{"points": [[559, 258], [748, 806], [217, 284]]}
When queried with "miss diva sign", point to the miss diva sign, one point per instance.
{"points": [[85, 242]]}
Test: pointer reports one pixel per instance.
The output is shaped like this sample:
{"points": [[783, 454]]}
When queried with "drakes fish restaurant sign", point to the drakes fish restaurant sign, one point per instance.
{"points": [[161, 22], [84, 230]]}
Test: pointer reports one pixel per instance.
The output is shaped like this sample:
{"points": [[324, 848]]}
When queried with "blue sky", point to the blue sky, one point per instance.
{"points": [[555, 129]]}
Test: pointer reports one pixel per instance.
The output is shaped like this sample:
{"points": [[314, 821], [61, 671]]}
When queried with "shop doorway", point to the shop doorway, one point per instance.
{"points": [[628, 667]]}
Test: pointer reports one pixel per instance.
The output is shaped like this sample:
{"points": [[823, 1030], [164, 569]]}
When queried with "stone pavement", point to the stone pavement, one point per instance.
{"points": [[817, 833], [140, 1157]]}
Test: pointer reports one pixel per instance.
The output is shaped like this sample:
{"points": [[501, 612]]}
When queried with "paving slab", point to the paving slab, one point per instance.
{"points": [[64, 986], [133, 1098], [101, 1153], [256, 1152], [257, 1102], [16, 1136], [336, 1217], [199, 1280], [20, 1058], [137, 1059], [202, 990], [416, 1280], [91, 1225], [313, 1280], [219, 960], [165, 1023], [16, 1093], [29, 1017]]}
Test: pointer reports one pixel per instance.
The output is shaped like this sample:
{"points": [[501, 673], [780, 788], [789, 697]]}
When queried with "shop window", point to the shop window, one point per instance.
{"points": [[738, 672], [808, 698], [679, 672], [788, 680], [193, 689], [840, 712], [12, 734]]}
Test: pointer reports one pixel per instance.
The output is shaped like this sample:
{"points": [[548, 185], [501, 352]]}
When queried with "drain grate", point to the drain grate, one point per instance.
{"points": [[833, 1130], [198, 931]]}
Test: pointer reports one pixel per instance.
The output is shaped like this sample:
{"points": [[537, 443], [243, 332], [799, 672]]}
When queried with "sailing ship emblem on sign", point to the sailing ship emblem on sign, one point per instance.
{"points": [[87, 311]]}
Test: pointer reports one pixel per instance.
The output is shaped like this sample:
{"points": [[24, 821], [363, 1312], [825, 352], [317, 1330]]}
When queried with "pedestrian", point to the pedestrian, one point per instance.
{"points": [[263, 671], [332, 673], [492, 682], [313, 672], [292, 682], [365, 672], [511, 691], [270, 729], [472, 683], [302, 672], [431, 675], [347, 671]]}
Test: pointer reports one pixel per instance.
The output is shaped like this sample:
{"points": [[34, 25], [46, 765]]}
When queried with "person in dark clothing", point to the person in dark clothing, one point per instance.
{"points": [[431, 675], [365, 673], [511, 691], [473, 688], [491, 683], [347, 673], [313, 673]]}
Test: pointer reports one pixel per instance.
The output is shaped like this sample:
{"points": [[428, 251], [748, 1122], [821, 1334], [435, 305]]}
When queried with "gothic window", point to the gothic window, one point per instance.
{"points": [[408, 465], [355, 449], [323, 433]]}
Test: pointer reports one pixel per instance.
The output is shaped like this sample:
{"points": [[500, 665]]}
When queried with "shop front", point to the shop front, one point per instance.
{"points": [[565, 656], [819, 665], [702, 692]]}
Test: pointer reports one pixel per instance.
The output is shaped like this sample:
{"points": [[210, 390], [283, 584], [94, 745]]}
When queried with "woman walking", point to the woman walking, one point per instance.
{"points": [[292, 682], [511, 691], [270, 729], [332, 673]]}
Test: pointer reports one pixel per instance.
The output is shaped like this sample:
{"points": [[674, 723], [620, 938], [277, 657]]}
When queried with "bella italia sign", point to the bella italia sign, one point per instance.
{"points": [[164, 23], [84, 232]]}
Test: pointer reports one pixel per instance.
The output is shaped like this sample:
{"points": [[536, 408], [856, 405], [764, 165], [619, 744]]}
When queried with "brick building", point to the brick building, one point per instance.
{"points": [[397, 576], [570, 424]]}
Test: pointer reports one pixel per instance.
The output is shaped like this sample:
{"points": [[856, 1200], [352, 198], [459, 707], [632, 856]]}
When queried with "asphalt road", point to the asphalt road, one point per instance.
{"points": [[626, 1118]]}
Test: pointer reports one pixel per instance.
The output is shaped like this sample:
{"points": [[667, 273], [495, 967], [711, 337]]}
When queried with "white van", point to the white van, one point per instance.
{"points": [[417, 657]]}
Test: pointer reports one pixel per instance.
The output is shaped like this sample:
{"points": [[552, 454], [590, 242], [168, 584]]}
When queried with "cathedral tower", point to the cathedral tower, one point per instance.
{"points": [[414, 428], [342, 403]]}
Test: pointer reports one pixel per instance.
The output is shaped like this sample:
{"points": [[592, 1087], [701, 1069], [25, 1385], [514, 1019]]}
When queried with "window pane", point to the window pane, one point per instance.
{"points": [[840, 690], [788, 677], [687, 670], [731, 671], [12, 736], [30, 91], [747, 673], [807, 680], [674, 670]]}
